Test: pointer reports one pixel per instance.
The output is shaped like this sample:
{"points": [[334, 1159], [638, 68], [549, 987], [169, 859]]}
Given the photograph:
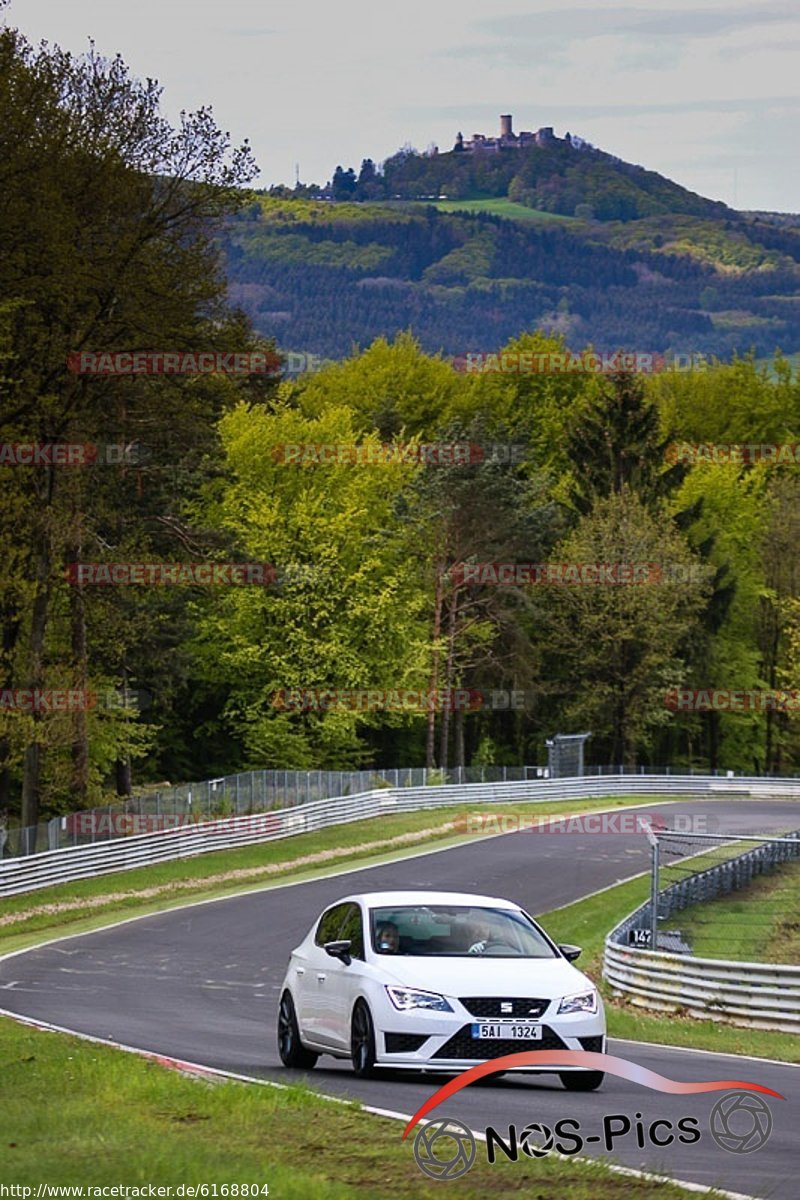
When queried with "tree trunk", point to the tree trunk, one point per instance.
{"points": [[122, 771], [437, 628], [712, 731], [459, 739], [448, 682], [31, 780], [11, 626], [80, 728]]}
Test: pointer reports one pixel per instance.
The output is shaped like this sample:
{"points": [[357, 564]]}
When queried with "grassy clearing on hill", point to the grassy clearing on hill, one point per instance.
{"points": [[500, 207]]}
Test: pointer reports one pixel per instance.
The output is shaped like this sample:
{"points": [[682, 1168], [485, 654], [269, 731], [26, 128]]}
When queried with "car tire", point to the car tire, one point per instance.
{"points": [[291, 1050], [582, 1081], [362, 1041]]}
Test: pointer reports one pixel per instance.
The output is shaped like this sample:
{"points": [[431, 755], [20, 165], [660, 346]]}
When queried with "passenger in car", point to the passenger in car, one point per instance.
{"points": [[388, 938]]}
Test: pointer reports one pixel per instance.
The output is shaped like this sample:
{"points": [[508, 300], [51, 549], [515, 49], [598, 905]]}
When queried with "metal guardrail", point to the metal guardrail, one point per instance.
{"points": [[752, 994], [756, 995], [232, 796], [264, 791], [19, 875]]}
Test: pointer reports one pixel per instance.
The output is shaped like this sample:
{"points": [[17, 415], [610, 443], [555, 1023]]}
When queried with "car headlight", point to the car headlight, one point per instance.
{"points": [[585, 1002], [406, 998]]}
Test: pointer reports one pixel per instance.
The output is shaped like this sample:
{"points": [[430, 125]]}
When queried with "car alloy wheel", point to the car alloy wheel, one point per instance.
{"points": [[292, 1051], [362, 1041]]}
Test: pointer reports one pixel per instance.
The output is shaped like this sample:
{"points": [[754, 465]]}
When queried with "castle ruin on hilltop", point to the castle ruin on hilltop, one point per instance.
{"points": [[507, 139]]}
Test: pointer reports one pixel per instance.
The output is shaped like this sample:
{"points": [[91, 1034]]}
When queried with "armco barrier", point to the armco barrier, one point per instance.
{"points": [[756, 995], [18, 875], [237, 795]]}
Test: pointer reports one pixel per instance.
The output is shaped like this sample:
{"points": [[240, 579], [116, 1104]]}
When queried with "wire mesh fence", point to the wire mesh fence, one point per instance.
{"points": [[232, 796], [252, 792], [734, 896]]}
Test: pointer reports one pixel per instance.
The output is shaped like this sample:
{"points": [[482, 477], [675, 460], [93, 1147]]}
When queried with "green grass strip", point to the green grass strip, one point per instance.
{"points": [[79, 1114], [587, 924], [757, 923]]}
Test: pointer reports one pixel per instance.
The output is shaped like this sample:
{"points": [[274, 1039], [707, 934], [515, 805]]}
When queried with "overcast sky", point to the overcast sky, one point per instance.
{"points": [[705, 93]]}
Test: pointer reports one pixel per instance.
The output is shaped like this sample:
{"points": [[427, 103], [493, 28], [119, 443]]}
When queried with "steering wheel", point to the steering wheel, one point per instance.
{"points": [[484, 947]]}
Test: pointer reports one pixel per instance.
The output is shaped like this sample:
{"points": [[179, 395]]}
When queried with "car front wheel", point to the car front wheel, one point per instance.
{"points": [[362, 1041], [292, 1051], [582, 1081]]}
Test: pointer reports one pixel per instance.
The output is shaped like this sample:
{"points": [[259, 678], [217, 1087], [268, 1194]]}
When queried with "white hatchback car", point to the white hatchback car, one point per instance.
{"points": [[435, 981]]}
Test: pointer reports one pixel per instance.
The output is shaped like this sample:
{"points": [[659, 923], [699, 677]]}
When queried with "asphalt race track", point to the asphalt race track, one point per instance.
{"points": [[202, 984]]}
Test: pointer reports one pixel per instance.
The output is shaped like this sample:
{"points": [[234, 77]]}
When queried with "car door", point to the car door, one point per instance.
{"points": [[342, 982], [313, 994]]}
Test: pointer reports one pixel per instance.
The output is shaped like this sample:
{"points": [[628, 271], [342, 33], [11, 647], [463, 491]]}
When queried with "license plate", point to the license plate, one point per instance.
{"points": [[513, 1030]]}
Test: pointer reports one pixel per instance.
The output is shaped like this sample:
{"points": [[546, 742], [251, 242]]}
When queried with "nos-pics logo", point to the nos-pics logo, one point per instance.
{"points": [[740, 1122]]}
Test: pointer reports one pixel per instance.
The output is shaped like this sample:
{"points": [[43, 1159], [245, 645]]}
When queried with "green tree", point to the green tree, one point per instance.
{"points": [[347, 610], [106, 215], [615, 649], [616, 443]]}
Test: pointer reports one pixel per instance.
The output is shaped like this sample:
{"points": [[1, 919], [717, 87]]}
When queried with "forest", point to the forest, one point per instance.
{"points": [[118, 234], [325, 277]]}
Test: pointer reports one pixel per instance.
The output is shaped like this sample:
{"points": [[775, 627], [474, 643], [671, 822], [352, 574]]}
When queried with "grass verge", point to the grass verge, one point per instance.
{"points": [[121, 1119], [587, 923], [758, 923]]}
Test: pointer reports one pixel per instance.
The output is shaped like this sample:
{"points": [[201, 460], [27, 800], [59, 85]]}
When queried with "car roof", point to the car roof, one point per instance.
{"points": [[394, 899]]}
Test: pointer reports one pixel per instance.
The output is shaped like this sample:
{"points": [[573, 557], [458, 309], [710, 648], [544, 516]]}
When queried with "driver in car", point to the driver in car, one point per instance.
{"points": [[388, 938], [481, 936]]}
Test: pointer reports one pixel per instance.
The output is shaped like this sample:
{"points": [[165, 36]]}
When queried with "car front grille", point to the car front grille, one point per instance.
{"points": [[491, 1006], [464, 1045], [403, 1043]]}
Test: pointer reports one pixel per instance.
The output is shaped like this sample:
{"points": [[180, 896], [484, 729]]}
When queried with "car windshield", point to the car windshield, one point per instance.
{"points": [[456, 931]]}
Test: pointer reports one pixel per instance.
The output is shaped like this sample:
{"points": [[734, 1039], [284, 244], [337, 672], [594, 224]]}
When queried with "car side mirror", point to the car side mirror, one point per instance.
{"points": [[571, 952], [340, 950]]}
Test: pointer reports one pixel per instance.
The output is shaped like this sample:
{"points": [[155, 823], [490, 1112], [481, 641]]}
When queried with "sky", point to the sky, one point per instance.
{"points": [[706, 93]]}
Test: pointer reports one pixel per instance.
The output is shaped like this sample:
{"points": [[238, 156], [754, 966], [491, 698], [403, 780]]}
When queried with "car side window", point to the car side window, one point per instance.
{"points": [[352, 930], [330, 923]]}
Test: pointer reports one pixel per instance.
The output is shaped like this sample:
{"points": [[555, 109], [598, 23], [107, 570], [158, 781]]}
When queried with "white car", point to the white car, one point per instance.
{"points": [[434, 981]]}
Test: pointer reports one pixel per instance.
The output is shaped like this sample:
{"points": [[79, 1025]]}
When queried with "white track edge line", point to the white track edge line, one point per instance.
{"points": [[349, 871], [189, 1068], [775, 1062]]}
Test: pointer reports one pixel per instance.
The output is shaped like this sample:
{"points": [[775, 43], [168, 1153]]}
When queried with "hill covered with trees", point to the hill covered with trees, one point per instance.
{"points": [[323, 277], [558, 176]]}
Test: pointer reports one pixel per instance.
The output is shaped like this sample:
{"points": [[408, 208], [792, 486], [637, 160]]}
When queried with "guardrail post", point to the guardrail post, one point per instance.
{"points": [[654, 865]]}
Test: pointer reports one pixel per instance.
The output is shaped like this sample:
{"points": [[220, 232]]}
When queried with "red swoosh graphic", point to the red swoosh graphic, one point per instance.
{"points": [[589, 1060]]}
